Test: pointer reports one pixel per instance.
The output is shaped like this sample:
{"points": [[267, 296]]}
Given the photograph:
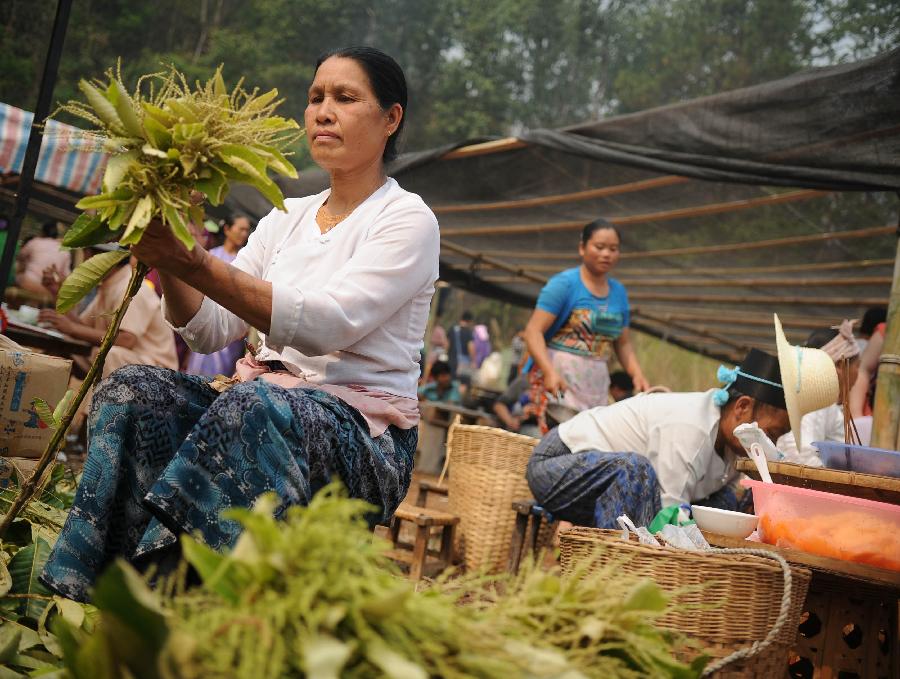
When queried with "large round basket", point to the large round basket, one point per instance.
{"points": [[726, 601], [487, 473]]}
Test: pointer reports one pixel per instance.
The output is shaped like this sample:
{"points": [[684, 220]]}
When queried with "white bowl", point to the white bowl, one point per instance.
{"points": [[724, 522]]}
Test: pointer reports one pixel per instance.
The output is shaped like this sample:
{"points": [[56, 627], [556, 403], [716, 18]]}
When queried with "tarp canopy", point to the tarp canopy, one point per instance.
{"points": [[774, 198], [67, 169]]}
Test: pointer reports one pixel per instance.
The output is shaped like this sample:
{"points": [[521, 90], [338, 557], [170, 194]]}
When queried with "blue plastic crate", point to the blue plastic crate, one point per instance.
{"points": [[862, 459]]}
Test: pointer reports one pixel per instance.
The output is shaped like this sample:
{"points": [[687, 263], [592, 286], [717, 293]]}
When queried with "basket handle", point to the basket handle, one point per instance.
{"points": [[758, 646], [457, 420]]}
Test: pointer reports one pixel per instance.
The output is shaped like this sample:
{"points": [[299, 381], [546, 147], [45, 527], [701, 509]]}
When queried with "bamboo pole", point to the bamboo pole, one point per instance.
{"points": [[870, 232], [734, 282], [886, 413], [628, 273], [485, 148], [541, 201], [665, 215], [813, 300], [96, 369], [807, 322]]}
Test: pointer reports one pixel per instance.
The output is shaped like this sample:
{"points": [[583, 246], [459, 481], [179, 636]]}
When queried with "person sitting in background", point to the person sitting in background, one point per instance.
{"points": [[621, 386], [826, 424], [38, 254], [515, 410], [436, 352], [442, 388], [143, 338], [656, 450]]}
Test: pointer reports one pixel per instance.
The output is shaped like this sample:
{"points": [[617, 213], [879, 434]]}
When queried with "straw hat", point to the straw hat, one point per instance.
{"points": [[809, 378]]}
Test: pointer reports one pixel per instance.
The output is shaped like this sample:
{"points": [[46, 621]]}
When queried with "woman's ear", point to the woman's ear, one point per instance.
{"points": [[393, 116]]}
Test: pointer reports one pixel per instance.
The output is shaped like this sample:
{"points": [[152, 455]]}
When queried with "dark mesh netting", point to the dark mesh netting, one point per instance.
{"points": [[776, 198]]}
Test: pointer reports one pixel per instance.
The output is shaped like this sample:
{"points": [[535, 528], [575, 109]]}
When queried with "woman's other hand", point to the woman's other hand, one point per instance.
{"points": [[640, 382], [51, 278], [160, 249], [554, 383], [49, 317]]}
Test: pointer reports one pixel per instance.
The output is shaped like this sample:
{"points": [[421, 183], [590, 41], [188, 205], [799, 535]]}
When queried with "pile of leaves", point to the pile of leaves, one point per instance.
{"points": [[314, 595], [28, 610], [165, 140]]}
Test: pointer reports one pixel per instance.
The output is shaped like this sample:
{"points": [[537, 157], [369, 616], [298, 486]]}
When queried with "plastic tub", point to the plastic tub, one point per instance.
{"points": [[862, 459], [827, 524]]}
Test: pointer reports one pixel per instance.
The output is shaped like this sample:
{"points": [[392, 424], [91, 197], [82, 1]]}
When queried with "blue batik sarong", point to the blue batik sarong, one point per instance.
{"points": [[167, 454]]}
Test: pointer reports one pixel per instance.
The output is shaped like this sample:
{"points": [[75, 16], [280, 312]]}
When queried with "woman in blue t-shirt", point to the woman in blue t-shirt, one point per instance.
{"points": [[580, 318]]}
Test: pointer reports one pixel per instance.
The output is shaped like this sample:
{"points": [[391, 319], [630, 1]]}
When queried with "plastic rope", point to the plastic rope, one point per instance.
{"points": [[758, 646]]}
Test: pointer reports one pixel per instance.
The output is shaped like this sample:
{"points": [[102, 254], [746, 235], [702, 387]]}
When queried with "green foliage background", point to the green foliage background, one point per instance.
{"points": [[474, 67]]}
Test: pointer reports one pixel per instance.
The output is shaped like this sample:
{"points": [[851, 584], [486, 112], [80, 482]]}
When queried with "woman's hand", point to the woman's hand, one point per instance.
{"points": [[56, 321], [51, 279], [160, 249], [554, 383], [640, 382]]}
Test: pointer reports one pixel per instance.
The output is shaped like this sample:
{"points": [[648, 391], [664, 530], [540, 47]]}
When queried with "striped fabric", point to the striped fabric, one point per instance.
{"points": [[61, 163]]}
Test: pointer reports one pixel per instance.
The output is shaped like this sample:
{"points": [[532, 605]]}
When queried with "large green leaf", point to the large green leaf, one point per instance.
{"points": [[86, 277], [102, 107], [215, 569], [43, 412], [138, 221], [124, 106], [116, 168], [121, 592], [120, 195], [89, 229], [215, 186], [25, 567], [179, 228], [5, 578]]}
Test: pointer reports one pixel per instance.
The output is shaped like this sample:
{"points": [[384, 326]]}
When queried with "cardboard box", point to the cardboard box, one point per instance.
{"points": [[25, 376]]}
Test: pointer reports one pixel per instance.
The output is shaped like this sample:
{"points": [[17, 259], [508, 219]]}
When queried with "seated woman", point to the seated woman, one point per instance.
{"points": [[826, 424], [655, 450], [339, 287]]}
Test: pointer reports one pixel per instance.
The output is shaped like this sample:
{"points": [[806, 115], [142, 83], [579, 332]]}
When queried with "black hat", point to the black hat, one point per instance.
{"points": [[758, 376]]}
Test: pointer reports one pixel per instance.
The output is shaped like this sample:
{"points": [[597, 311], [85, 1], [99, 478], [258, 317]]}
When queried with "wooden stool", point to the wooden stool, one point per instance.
{"points": [[426, 487], [420, 559], [525, 509]]}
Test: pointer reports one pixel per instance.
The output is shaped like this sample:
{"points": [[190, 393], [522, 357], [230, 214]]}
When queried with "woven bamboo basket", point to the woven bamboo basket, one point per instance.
{"points": [[730, 601], [487, 473]]}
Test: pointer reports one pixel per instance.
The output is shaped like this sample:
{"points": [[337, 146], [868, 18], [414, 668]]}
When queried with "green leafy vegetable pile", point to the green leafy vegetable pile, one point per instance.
{"points": [[315, 596]]}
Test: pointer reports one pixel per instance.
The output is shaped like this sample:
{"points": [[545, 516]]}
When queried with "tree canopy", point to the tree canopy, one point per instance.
{"points": [[474, 68]]}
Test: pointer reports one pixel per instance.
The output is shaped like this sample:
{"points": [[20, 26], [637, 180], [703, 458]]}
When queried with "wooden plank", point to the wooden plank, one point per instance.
{"points": [[732, 282], [773, 243], [589, 194], [631, 273], [477, 257], [879, 577], [665, 215], [865, 486], [485, 148], [775, 300]]}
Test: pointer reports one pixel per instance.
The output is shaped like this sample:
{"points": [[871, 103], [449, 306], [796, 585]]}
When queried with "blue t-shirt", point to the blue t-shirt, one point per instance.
{"points": [[585, 324]]}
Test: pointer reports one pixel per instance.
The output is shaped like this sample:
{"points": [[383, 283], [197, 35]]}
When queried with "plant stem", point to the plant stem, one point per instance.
{"points": [[96, 369]]}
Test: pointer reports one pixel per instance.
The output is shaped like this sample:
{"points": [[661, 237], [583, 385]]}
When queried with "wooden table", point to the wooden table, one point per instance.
{"points": [[444, 412], [49, 341], [851, 618], [854, 484]]}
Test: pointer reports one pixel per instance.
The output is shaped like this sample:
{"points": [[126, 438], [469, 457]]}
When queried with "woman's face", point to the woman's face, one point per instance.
{"points": [[238, 232], [345, 125], [601, 253]]}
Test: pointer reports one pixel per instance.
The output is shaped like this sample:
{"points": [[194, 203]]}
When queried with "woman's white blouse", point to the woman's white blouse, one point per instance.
{"points": [[348, 307]]}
